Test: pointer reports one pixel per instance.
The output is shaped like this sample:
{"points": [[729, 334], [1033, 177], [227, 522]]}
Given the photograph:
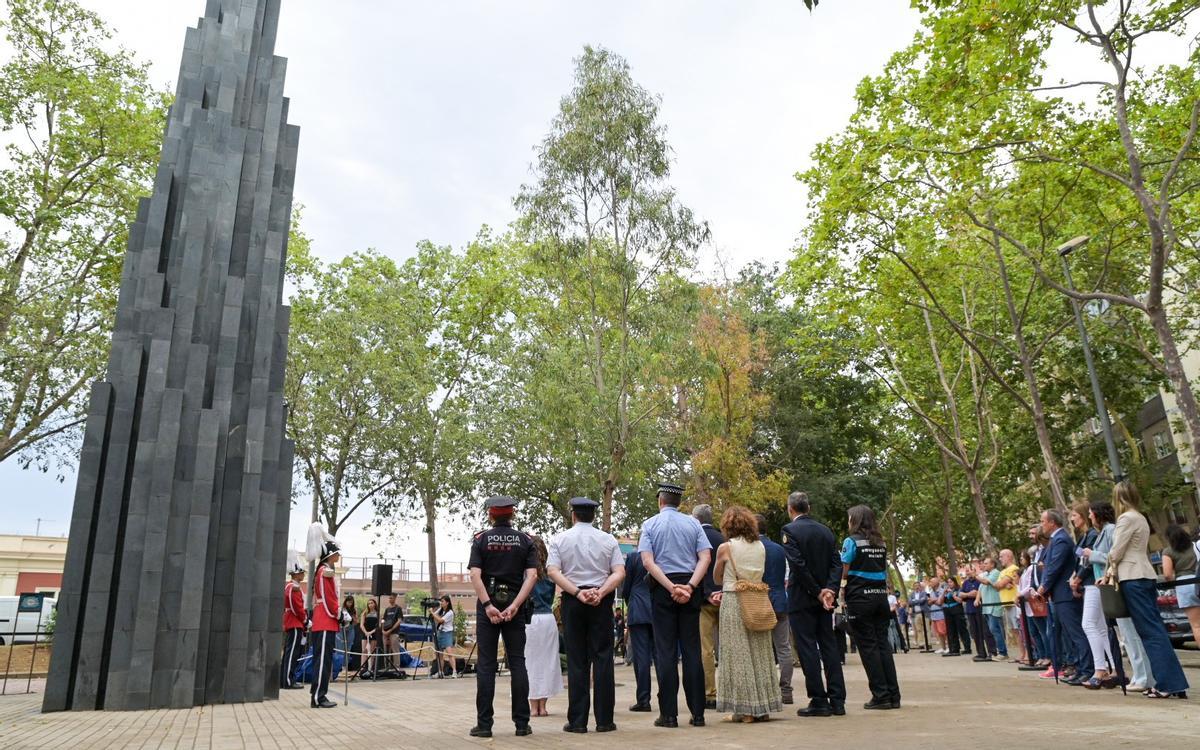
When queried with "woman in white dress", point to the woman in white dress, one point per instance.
{"points": [[541, 641], [747, 684]]}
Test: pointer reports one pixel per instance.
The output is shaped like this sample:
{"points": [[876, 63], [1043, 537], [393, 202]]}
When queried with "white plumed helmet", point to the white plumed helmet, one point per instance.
{"points": [[321, 544]]}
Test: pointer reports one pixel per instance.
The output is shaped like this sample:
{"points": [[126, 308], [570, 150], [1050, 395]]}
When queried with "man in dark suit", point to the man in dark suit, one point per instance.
{"points": [[710, 610], [1066, 611], [816, 575], [775, 576], [641, 632]]}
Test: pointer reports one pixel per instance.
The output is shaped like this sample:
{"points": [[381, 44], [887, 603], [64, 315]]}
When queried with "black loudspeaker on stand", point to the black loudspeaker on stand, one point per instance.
{"points": [[381, 585], [381, 580]]}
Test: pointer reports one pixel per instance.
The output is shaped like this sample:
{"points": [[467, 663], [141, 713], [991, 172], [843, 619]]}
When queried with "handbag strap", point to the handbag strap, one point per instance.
{"points": [[1110, 575]]}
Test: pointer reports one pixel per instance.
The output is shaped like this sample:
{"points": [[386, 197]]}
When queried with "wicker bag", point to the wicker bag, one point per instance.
{"points": [[757, 613]]}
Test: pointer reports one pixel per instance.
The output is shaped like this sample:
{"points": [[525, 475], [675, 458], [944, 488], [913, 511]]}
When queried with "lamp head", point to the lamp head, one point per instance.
{"points": [[1071, 245]]}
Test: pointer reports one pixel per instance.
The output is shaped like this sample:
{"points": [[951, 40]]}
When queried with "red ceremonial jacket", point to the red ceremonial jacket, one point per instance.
{"points": [[326, 601], [293, 606]]}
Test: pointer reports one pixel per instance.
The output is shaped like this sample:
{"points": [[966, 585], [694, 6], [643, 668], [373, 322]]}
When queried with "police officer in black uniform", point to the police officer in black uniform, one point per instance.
{"points": [[865, 565], [504, 567]]}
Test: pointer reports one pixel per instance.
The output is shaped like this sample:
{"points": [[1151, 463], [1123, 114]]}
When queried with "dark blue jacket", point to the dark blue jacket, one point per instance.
{"points": [[1085, 571], [813, 555], [774, 573], [634, 591], [708, 586], [1060, 564]]}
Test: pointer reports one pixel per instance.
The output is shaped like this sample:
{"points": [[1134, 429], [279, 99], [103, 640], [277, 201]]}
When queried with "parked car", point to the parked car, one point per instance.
{"points": [[416, 628], [1179, 630]]}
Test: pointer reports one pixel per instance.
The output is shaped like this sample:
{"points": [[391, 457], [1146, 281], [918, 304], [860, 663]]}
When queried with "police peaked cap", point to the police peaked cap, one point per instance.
{"points": [[669, 488], [583, 502], [501, 501]]}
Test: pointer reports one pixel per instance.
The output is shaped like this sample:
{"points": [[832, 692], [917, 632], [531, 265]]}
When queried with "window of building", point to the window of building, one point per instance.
{"points": [[1177, 513], [1163, 446]]}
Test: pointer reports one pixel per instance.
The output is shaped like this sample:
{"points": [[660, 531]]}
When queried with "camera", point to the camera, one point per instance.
{"points": [[429, 603]]}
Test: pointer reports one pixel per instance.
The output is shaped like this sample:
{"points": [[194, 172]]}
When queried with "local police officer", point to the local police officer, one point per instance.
{"points": [[864, 566], [587, 565], [676, 554], [504, 565], [295, 621]]}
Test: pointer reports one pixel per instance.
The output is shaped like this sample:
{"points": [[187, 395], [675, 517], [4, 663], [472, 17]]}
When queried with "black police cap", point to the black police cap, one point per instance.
{"points": [[583, 502], [501, 501]]}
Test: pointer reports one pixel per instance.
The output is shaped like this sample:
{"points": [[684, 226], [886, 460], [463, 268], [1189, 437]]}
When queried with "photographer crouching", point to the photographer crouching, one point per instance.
{"points": [[442, 612]]}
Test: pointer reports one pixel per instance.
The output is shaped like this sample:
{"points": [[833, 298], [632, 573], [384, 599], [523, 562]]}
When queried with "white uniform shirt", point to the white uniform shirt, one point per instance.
{"points": [[585, 555]]}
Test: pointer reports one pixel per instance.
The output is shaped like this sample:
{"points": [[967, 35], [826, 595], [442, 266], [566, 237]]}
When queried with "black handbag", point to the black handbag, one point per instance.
{"points": [[1112, 601]]}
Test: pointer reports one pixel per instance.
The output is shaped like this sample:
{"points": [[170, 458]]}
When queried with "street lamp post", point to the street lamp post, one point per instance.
{"points": [[1114, 460]]}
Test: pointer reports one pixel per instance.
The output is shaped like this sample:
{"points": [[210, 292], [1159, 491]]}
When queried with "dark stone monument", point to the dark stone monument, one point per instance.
{"points": [[175, 566]]}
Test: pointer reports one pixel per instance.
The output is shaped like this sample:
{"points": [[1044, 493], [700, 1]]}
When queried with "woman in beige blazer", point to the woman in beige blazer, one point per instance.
{"points": [[1129, 558]]}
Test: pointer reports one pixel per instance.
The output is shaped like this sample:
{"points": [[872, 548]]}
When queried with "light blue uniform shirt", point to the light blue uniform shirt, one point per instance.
{"points": [[675, 539]]}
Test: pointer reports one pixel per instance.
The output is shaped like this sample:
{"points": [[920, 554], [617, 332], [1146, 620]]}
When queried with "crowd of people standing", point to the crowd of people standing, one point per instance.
{"points": [[1049, 610], [1055, 607]]}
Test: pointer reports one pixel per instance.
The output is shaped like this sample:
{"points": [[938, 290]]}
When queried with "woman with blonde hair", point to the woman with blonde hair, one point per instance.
{"points": [[541, 640], [746, 656], [368, 625], [1129, 559]]}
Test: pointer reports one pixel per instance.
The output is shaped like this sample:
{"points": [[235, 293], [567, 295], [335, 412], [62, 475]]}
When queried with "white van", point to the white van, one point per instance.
{"points": [[26, 624]]}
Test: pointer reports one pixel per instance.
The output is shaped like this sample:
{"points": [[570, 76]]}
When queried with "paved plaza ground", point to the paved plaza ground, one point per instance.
{"points": [[948, 702]]}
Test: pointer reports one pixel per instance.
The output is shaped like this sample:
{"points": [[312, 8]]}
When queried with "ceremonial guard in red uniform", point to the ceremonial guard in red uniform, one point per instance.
{"points": [[323, 550], [295, 622]]}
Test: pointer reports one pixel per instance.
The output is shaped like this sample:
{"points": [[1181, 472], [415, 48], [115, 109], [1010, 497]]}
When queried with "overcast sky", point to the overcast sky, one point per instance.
{"points": [[418, 121]]}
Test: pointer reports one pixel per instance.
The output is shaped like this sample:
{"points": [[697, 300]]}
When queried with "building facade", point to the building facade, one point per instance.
{"points": [[31, 564]]}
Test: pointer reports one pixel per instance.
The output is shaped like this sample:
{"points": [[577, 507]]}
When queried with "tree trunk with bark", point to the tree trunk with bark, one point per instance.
{"points": [[1036, 407], [431, 541]]}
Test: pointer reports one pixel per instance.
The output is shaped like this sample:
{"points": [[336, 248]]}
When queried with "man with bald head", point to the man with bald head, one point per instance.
{"points": [[1010, 578]]}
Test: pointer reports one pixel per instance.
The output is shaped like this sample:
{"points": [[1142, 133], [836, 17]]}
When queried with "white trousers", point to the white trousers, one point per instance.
{"points": [[1096, 630], [1138, 660]]}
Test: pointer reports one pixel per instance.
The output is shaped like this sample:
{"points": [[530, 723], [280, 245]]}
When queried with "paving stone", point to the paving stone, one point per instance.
{"points": [[438, 714]]}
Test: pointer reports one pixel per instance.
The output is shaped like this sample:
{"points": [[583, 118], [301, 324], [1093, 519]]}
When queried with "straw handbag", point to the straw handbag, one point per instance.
{"points": [[757, 613]]}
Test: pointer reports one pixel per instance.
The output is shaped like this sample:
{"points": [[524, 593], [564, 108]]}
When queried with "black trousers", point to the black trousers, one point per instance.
{"points": [[588, 632], [868, 622], [978, 630], [292, 649], [956, 630], [641, 643], [818, 646], [676, 636], [488, 638], [323, 644], [900, 634]]}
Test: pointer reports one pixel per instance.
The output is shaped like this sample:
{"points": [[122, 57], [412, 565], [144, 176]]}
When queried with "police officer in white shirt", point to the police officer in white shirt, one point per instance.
{"points": [[588, 566]]}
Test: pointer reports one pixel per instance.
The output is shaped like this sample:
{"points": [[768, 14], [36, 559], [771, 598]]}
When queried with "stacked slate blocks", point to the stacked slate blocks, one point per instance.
{"points": [[178, 541]]}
